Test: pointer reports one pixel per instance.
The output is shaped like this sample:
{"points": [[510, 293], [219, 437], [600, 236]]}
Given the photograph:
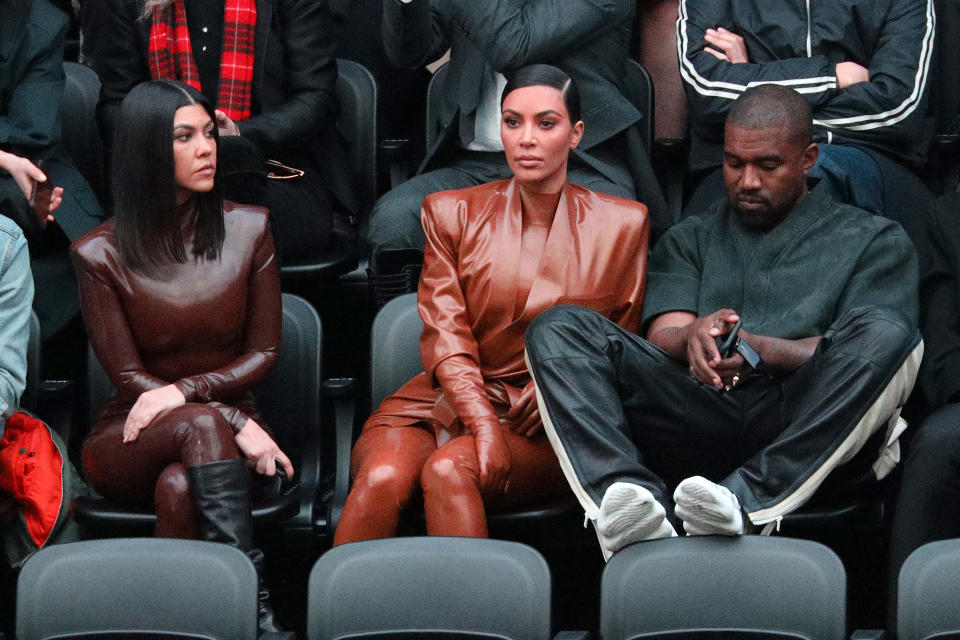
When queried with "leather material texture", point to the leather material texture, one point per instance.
{"points": [[211, 327], [594, 256]]}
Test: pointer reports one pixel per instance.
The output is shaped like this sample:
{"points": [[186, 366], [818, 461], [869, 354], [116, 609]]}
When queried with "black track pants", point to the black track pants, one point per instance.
{"points": [[617, 408]]}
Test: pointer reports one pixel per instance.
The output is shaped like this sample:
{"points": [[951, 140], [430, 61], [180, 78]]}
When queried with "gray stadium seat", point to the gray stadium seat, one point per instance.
{"points": [[749, 587], [137, 588], [430, 588], [928, 596]]}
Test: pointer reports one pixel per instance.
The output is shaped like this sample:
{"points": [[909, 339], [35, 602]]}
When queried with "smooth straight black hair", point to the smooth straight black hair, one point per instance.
{"points": [[147, 224], [545, 75]]}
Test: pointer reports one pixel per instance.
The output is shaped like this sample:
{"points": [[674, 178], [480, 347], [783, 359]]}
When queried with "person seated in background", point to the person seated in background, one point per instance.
{"points": [[862, 68], [826, 295], [928, 506], [31, 90], [180, 294], [269, 68], [587, 39], [467, 431]]}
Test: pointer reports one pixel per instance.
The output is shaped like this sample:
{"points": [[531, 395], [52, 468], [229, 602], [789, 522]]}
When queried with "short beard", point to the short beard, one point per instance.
{"points": [[761, 221]]}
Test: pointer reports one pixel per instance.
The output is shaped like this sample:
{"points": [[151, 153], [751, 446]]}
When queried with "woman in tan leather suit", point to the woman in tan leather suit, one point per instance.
{"points": [[181, 298], [467, 430]]}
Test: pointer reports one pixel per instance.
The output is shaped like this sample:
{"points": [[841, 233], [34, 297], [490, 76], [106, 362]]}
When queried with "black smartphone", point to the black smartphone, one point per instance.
{"points": [[40, 197], [725, 344]]}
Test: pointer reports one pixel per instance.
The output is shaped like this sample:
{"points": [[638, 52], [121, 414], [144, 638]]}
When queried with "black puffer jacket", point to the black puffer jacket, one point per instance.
{"points": [[798, 43]]}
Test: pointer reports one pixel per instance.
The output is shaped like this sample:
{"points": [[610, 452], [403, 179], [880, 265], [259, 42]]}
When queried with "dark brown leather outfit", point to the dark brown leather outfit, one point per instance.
{"points": [[211, 327]]}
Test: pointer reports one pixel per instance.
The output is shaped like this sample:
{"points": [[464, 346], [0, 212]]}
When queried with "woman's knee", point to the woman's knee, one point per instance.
{"points": [[204, 434], [451, 468], [385, 481], [172, 486]]}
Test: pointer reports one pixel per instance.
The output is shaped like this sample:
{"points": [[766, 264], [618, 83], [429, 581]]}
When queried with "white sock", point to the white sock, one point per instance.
{"points": [[629, 513], [707, 508]]}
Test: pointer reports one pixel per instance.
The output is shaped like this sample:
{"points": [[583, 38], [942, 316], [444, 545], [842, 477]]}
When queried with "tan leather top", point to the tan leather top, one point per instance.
{"points": [[595, 256]]}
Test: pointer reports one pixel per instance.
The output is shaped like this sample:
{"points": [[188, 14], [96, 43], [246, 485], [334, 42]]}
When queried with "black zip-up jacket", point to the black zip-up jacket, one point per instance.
{"points": [[798, 43]]}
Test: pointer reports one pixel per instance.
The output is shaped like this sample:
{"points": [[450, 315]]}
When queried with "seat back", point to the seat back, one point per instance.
{"points": [[654, 44], [137, 587], [357, 124], [78, 114], [401, 91], [928, 595], [435, 587], [288, 397], [394, 347], [638, 89], [357, 127], [290, 400], [434, 93], [751, 587]]}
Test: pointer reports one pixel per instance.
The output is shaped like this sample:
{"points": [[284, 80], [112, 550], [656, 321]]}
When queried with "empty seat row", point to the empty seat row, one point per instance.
{"points": [[751, 587]]}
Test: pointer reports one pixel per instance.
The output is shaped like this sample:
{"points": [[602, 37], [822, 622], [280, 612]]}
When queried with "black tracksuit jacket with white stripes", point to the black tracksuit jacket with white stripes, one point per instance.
{"points": [[798, 43]]}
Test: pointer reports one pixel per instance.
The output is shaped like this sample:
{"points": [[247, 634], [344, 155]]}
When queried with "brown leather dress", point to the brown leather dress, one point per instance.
{"points": [[471, 298], [211, 327]]}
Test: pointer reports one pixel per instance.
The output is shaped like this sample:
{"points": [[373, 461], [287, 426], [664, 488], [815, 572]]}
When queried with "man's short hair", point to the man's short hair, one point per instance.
{"points": [[773, 105]]}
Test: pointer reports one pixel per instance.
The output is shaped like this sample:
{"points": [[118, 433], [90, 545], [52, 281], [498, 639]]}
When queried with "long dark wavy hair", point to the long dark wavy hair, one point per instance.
{"points": [[146, 223]]}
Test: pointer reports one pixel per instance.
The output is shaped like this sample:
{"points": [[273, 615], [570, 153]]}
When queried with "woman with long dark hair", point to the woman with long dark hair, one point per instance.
{"points": [[467, 430], [269, 69], [180, 294]]}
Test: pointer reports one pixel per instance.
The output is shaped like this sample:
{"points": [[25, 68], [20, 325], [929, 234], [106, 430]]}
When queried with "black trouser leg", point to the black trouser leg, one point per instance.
{"points": [[859, 376], [607, 395], [616, 407]]}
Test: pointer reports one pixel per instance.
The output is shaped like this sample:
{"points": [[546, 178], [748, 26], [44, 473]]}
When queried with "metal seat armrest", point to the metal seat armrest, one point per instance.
{"points": [[670, 158]]}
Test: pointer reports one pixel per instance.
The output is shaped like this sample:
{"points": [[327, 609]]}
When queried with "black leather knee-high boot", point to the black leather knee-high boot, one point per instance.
{"points": [[220, 491]]}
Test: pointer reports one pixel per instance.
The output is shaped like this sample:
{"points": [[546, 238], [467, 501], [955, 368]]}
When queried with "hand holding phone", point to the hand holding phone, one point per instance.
{"points": [[725, 344], [44, 198]]}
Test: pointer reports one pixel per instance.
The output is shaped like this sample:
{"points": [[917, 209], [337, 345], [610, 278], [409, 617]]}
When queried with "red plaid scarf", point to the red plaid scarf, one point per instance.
{"points": [[171, 55]]}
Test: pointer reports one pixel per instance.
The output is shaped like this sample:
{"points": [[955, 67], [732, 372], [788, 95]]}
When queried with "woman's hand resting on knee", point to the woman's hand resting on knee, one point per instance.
{"points": [[493, 458], [146, 408], [261, 450]]}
